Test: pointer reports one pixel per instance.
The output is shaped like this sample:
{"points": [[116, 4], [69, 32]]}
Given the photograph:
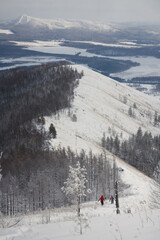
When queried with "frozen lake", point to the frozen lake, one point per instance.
{"points": [[149, 66]]}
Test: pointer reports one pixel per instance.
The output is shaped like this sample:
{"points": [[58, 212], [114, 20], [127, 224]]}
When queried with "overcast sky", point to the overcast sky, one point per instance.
{"points": [[95, 10]]}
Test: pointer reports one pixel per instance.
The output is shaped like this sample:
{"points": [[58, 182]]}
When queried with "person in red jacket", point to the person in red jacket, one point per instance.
{"points": [[102, 200]]}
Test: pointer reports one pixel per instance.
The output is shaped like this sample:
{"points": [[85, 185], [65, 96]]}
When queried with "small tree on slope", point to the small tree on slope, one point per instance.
{"points": [[75, 187]]}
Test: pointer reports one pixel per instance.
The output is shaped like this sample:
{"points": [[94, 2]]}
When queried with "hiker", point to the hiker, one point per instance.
{"points": [[111, 199], [102, 200]]}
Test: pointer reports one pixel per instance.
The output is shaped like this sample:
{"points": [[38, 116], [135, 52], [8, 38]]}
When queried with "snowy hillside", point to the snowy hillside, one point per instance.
{"points": [[62, 24], [101, 105]]}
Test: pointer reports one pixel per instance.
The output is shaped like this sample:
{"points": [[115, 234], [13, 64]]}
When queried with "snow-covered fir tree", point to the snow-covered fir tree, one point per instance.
{"points": [[75, 189], [75, 185]]}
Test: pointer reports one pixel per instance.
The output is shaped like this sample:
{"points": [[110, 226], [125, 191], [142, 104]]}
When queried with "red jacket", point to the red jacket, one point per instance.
{"points": [[101, 198]]}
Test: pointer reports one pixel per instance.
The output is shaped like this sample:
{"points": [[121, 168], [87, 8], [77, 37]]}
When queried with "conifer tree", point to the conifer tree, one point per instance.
{"points": [[52, 131], [75, 189], [75, 185]]}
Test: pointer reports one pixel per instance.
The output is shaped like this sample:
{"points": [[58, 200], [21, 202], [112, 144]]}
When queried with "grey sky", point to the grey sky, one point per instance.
{"points": [[94, 10]]}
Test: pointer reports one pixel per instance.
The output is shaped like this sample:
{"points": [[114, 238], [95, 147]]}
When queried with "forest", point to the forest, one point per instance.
{"points": [[29, 94], [141, 150], [26, 95], [36, 184]]}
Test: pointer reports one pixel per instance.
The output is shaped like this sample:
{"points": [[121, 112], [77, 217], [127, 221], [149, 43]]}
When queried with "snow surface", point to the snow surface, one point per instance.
{"points": [[5, 31], [38, 43], [103, 224], [54, 47], [146, 88], [122, 44], [149, 66]]}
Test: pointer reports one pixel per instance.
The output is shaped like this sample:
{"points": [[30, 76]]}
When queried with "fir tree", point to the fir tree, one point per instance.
{"points": [[52, 131], [75, 185]]}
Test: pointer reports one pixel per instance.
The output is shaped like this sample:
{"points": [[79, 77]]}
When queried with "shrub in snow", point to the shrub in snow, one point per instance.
{"points": [[82, 222], [8, 222], [46, 218]]}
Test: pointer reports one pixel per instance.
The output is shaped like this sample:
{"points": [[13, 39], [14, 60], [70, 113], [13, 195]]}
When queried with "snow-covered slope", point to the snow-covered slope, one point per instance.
{"points": [[101, 105], [62, 24]]}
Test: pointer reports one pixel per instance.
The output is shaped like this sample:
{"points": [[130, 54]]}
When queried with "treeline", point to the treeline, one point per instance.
{"points": [[27, 94], [141, 150], [35, 184]]}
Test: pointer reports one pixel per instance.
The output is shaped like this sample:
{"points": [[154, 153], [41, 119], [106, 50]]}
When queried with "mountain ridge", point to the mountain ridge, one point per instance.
{"points": [[61, 24], [109, 102]]}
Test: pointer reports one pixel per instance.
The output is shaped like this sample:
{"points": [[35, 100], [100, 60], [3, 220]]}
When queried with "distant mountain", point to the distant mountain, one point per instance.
{"points": [[32, 28], [62, 24]]}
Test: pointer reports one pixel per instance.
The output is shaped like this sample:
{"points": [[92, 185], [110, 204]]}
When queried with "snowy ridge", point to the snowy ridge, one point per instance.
{"points": [[101, 105], [62, 24]]}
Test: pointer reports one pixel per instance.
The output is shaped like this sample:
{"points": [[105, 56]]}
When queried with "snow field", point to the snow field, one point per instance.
{"points": [[103, 223]]}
